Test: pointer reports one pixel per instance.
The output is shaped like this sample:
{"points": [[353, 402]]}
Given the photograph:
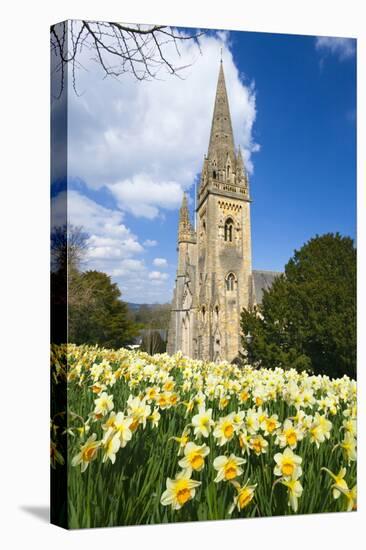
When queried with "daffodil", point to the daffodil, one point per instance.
{"points": [[88, 452], [270, 424], [244, 496], [258, 444], [111, 443], [252, 421], [351, 496], [289, 436], [287, 464], [320, 429], [103, 404], [194, 456], [182, 440], [339, 481], [225, 429], [244, 439], [122, 425], [349, 447], [154, 418], [350, 426], [179, 490], [295, 490], [138, 410], [202, 422], [228, 468]]}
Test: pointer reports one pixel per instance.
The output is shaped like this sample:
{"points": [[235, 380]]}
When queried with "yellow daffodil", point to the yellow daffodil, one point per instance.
{"points": [[349, 447], [258, 444], [270, 424], [243, 497], [154, 418], [182, 440], [295, 490], [228, 468], [225, 429], [320, 429], [179, 490], [194, 456], [244, 439], [103, 405], [252, 421], [110, 443], [88, 452], [121, 426], [339, 481], [289, 436], [138, 410], [287, 464], [202, 422]]}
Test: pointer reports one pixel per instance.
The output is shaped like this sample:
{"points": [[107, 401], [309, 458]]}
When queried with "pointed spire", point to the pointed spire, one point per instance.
{"points": [[185, 230], [221, 138], [183, 212], [239, 162]]}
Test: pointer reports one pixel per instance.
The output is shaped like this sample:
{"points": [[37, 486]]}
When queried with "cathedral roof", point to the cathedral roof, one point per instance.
{"points": [[262, 280]]}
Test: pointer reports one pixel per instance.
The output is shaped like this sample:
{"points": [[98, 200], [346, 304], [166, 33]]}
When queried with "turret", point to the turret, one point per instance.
{"points": [[186, 232]]}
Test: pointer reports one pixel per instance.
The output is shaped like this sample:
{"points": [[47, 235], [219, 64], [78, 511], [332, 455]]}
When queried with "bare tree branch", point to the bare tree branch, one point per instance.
{"points": [[142, 50]]}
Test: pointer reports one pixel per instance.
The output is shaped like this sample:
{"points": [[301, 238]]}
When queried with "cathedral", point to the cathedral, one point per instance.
{"points": [[215, 280]]}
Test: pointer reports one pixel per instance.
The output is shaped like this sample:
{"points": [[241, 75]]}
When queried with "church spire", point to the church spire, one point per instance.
{"points": [[221, 146]]}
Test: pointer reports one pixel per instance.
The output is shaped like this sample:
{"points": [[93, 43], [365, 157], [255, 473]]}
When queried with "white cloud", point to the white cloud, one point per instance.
{"points": [[128, 267], [142, 196], [150, 242], [160, 262], [109, 239], [113, 248], [146, 140], [343, 48], [158, 276]]}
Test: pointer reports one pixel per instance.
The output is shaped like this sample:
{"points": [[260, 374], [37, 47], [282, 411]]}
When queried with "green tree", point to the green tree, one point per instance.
{"points": [[307, 319], [103, 319]]}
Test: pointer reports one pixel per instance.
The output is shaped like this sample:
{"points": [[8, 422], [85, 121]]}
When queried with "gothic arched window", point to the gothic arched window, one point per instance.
{"points": [[230, 281], [229, 230]]}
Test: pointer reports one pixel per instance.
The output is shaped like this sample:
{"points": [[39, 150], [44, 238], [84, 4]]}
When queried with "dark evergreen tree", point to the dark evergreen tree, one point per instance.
{"points": [[307, 319]]}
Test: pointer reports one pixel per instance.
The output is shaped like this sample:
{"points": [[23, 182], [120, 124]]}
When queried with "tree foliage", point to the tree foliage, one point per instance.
{"points": [[104, 318], [307, 319]]}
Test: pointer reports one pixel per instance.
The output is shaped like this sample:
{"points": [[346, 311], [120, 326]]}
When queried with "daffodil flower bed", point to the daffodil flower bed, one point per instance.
{"points": [[164, 439]]}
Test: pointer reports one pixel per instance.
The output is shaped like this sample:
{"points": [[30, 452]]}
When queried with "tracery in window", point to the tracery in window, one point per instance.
{"points": [[228, 232], [230, 281]]}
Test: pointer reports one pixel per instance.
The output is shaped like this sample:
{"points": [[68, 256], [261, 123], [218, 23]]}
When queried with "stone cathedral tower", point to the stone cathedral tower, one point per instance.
{"points": [[214, 274]]}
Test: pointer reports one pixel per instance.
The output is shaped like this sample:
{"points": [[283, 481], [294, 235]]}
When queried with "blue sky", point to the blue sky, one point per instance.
{"points": [[135, 147]]}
